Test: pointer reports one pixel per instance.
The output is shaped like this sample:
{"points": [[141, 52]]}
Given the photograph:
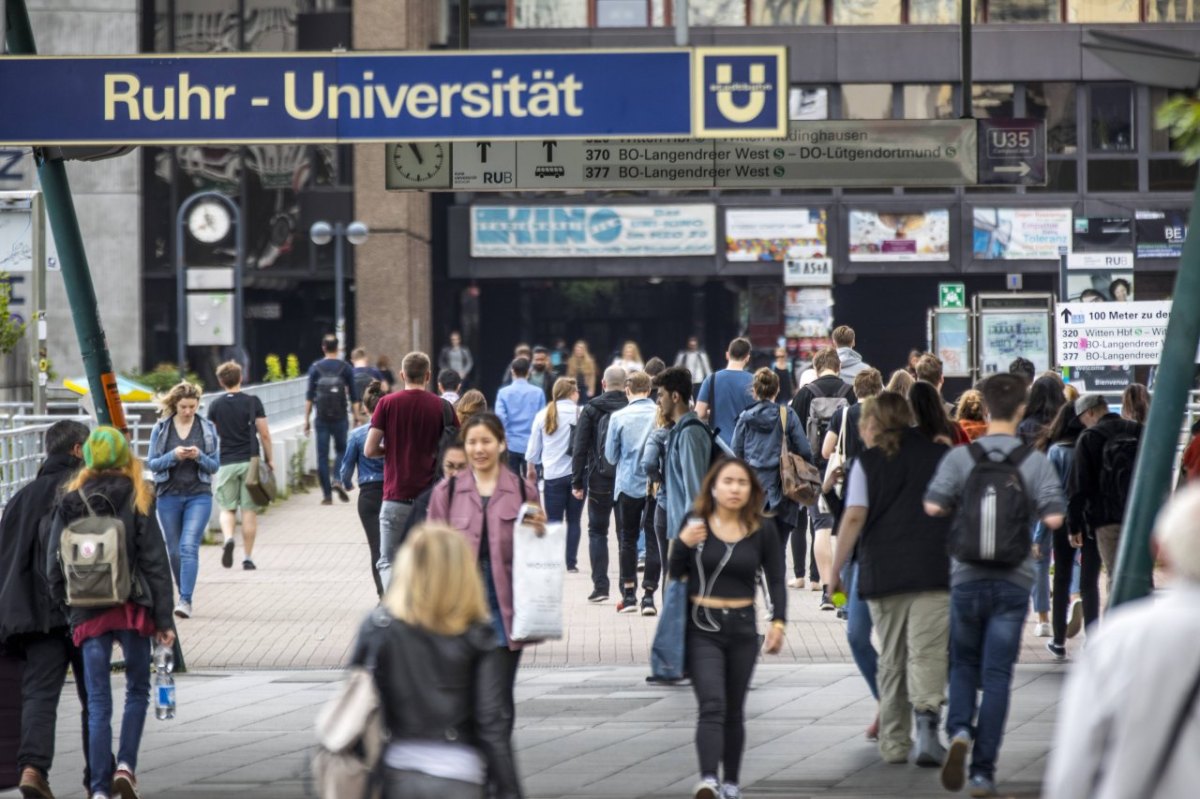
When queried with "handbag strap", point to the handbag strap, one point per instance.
{"points": [[86, 505], [841, 442], [783, 447]]}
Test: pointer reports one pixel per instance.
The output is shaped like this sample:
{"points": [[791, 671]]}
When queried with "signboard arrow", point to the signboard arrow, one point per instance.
{"points": [[1066, 316], [1021, 169]]}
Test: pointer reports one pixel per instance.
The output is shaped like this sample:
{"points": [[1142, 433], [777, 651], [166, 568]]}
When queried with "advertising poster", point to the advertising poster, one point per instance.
{"points": [[1099, 286], [1008, 335], [807, 320], [1161, 234], [772, 234], [879, 236], [1102, 234], [575, 231], [1024, 234], [953, 342]]}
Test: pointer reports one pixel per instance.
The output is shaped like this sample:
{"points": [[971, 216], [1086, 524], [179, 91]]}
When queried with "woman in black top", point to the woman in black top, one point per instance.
{"points": [[720, 551]]}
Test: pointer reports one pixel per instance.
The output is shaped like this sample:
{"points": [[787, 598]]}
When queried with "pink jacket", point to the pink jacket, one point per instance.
{"points": [[466, 516]]}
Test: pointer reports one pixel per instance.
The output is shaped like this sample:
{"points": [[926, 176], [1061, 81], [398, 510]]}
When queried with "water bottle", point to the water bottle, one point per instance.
{"points": [[164, 683]]}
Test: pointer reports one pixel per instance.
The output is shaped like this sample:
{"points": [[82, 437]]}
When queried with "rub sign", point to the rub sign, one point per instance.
{"points": [[346, 97]]}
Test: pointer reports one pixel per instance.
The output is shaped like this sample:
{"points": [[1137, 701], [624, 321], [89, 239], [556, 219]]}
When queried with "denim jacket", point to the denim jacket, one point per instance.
{"points": [[370, 470], [162, 460], [627, 431]]}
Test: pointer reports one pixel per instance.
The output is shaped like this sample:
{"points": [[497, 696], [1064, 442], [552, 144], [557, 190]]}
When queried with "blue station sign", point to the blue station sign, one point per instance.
{"points": [[726, 92]]}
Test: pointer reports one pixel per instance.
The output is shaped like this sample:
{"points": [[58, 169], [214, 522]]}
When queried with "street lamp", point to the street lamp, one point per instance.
{"points": [[1155, 64], [321, 233]]}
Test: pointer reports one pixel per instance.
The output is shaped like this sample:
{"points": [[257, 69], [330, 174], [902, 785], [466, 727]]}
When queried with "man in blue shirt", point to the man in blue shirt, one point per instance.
{"points": [[627, 431], [725, 394], [330, 385], [516, 405]]}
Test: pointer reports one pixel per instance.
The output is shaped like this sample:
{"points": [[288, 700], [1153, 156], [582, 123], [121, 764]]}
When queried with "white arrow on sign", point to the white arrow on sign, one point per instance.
{"points": [[1022, 169]]}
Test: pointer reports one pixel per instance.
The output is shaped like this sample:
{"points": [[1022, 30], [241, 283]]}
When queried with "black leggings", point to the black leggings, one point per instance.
{"points": [[1089, 582], [370, 499], [720, 665]]}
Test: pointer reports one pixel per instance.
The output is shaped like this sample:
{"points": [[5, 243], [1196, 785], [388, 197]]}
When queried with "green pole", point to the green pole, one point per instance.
{"points": [[1152, 478], [77, 278]]}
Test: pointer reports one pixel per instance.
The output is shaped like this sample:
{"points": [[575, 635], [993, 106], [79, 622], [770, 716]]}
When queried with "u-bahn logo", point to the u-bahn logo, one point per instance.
{"points": [[740, 91]]}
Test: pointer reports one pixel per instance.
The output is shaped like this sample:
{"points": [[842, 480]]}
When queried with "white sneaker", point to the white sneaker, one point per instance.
{"points": [[1042, 630], [797, 582], [1074, 618], [183, 610], [707, 788]]}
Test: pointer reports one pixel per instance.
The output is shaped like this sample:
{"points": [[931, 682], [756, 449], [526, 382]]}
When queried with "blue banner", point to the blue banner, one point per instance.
{"points": [[360, 97]]}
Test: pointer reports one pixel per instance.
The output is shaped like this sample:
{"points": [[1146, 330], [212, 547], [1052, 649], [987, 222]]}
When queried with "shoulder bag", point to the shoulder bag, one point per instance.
{"points": [[800, 479]]}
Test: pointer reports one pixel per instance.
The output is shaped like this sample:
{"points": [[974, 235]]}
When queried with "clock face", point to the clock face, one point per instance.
{"points": [[419, 161], [209, 222]]}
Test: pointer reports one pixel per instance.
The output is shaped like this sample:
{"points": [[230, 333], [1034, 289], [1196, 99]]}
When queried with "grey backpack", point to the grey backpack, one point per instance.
{"points": [[821, 411], [94, 560]]}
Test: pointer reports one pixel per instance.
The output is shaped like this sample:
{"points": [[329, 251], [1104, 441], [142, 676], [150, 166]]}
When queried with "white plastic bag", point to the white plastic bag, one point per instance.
{"points": [[538, 566]]}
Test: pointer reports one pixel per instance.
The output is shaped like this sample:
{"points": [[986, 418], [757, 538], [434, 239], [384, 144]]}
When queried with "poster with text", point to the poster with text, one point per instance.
{"points": [[1161, 234], [882, 236], [1099, 286], [1021, 234], [1009, 335], [773, 234], [953, 342]]}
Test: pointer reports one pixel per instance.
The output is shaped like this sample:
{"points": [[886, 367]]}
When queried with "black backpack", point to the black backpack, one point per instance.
{"points": [[331, 392], [718, 449], [600, 465], [992, 525], [1118, 459]]}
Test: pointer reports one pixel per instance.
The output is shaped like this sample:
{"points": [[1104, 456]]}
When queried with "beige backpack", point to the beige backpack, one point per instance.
{"points": [[94, 560]]}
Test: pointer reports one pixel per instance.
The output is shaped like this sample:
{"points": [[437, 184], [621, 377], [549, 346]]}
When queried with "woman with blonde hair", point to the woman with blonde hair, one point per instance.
{"points": [[110, 485], [900, 382], [970, 413], [550, 448], [581, 367], [184, 455], [449, 739], [469, 404], [630, 358]]}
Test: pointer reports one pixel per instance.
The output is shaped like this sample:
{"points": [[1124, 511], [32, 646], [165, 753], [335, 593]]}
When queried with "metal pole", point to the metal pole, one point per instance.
{"points": [[77, 278], [681, 23], [339, 298], [967, 107], [181, 291], [1155, 466], [37, 317], [239, 268], [464, 24]]}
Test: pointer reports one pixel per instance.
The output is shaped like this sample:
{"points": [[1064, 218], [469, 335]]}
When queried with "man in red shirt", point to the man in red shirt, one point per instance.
{"points": [[406, 431]]}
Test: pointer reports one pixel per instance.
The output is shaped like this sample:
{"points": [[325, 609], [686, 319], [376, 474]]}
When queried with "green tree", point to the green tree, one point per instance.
{"points": [[11, 331], [1180, 116]]}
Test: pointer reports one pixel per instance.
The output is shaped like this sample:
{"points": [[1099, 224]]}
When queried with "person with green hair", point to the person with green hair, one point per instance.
{"points": [[111, 484]]}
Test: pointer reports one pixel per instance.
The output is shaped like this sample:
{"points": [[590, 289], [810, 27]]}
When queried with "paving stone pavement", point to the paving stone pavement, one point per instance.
{"points": [[595, 732], [302, 607]]}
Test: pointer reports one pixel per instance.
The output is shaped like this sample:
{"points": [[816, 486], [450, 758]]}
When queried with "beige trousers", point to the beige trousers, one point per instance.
{"points": [[1108, 539], [914, 637]]}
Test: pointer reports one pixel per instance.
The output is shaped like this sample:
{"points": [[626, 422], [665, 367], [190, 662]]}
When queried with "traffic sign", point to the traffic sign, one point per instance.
{"points": [[1012, 152], [952, 295]]}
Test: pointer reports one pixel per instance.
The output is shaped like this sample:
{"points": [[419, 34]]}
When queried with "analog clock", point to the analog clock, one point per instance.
{"points": [[419, 161], [209, 222]]}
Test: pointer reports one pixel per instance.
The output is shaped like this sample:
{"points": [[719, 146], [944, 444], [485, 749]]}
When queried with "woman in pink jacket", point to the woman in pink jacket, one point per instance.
{"points": [[483, 503]]}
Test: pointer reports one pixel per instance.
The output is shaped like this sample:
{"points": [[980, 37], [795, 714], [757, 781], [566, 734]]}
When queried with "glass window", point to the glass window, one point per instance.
{"points": [[621, 13], [938, 12], [550, 14], [1161, 141], [715, 12], [934, 101], [993, 100], [1055, 103], [1061, 176], [1112, 118], [206, 26], [1103, 10], [1171, 11], [808, 103], [1112, 175], [866, 12], [867, 101], [787, 12], [658, 14], [1022, 10], [271, 25], [1171, 175]]}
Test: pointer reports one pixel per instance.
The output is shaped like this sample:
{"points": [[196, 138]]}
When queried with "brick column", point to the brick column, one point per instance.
{"points": [[393, 272]]}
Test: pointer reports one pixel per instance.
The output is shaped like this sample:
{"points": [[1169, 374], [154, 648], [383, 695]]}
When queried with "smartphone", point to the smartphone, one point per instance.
{"points": [[528, 509]]}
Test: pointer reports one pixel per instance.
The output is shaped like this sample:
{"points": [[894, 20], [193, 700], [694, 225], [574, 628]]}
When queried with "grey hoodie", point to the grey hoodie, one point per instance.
{"points": [[757, 440], [852, 364]]}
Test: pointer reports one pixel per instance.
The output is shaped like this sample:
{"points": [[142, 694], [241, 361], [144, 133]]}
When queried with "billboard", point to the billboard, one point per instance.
{"points": [[772, 234], [1161, 234], [592, 231], [1021, 234], [882, 236]]}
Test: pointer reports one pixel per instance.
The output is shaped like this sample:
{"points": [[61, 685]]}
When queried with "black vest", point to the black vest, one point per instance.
{"points": [[901, 549]]}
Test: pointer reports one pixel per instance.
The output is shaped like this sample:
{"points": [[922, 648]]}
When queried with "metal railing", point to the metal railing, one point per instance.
{"points": [[21, 454]]}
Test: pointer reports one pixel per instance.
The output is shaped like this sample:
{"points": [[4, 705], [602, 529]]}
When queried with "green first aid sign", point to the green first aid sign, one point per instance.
{"points": [[952, 295]]}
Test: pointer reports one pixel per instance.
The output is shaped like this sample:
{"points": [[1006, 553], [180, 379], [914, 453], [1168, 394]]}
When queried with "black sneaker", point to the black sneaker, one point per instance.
{"points": [[826, 602], [341, 492], [628, 603], [648, 608], [598, 596], [248, 565], [1058, 650], [227, 554], [841, 614]]}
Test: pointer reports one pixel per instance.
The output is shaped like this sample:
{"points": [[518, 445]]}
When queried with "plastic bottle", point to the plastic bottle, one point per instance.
{"points": [[164, 683]]}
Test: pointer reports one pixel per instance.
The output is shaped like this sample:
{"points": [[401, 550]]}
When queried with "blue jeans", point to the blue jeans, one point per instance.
{"points": [[986, 619], [97, 662], [326, 429], [858, 632], [560, 504], [183, 518]]}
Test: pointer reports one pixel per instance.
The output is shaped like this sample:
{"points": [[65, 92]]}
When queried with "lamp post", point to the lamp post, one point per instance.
{"points": [[1154, 64], [321, 233]]}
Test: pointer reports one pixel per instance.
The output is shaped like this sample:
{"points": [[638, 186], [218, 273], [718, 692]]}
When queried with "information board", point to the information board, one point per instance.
{"points": [[1111, 333]]}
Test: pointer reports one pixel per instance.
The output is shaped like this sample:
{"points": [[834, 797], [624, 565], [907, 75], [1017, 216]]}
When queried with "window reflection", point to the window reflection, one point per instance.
{"points": [[1112, 118], [937, 12], [929, 101], [1161, 141], [1103, 10], [787, 12], [1055, 103], [715, 12], [808, 103], [866, 12], [992, 100], [1171, 11], [1023, 10], [550, 14], [867, 101], [621, 13]]}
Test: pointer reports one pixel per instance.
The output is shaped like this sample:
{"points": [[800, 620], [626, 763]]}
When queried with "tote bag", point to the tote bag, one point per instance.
{"points": [[538, 582], [668, 653]]}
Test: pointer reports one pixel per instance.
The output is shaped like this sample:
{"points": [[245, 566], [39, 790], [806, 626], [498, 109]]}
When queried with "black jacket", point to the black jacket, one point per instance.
{"points": [[587, 449], [25, 604], [443, 688], [901, 549], [1085, 503], [149, 568]]}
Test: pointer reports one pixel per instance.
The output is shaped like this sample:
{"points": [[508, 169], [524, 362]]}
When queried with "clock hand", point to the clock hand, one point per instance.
{"points": [[417, 153]]}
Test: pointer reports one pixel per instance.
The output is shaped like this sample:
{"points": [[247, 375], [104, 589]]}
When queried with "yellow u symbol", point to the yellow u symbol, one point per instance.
{"points": [[754, 104]]}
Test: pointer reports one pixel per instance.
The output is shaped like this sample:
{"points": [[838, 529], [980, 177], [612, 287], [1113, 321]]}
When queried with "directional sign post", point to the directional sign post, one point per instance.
{"points": [[1012, 152], [1111, 333]]}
